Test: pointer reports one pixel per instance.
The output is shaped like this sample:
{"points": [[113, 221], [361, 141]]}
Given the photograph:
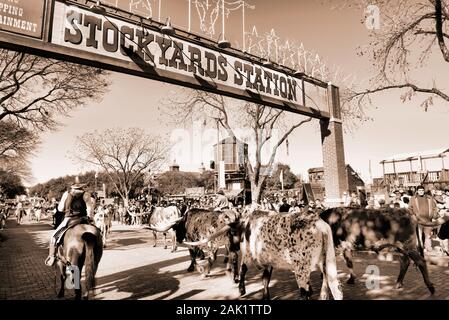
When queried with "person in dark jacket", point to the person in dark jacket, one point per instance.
{"points": [[285, 207], [425, 208]]}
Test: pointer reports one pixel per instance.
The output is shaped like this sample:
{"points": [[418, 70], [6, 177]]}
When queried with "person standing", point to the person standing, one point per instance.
{"points": [[397, 201], [284, 207], [446, 199], [221, 202], [424, 207]]}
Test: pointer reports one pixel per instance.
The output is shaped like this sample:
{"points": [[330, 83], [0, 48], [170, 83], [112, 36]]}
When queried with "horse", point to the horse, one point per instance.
{"points": [[37, 214], [20, 212], [103, 221], [82, 246]]}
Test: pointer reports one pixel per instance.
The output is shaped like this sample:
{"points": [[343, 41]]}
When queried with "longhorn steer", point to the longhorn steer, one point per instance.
{"points": [[375, 230], [294, 242], [198, 224], [164, 215]]}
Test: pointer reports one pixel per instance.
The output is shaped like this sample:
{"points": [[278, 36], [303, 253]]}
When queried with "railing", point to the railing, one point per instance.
{"points": [[417, 177]]}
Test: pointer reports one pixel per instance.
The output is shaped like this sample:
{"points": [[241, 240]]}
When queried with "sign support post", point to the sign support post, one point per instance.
{"points": [[335, 179]]}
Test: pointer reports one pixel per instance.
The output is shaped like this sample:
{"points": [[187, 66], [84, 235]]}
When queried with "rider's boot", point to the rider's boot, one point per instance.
{"points": [[50, 261]]}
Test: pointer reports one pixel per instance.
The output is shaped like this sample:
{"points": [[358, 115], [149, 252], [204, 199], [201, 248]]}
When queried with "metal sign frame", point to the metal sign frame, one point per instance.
{"points": [[139, 68]]}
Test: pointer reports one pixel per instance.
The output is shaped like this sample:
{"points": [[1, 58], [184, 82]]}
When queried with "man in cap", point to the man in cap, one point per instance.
{"points": [[425, 208], [78, 208], [221, 202]]}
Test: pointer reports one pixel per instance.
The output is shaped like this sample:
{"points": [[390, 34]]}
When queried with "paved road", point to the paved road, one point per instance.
{"points": [[132, 269]]}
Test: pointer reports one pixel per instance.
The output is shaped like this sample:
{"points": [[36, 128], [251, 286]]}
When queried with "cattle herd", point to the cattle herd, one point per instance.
{"points": [[300, 242]]}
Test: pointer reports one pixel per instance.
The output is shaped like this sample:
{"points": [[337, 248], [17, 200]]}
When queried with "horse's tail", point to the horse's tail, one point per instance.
{"points": [[90, 267]]}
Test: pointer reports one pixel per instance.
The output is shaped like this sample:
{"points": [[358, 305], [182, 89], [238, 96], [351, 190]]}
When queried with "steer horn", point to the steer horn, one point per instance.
{"points": [[209, 239], [166, 227]]}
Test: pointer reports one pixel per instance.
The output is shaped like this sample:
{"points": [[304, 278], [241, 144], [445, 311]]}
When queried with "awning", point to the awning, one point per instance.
{"points": [[233, 193], [429, 154]]}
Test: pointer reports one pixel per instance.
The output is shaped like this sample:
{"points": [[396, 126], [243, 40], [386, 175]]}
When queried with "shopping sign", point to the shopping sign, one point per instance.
{"points": [[24, 17]]}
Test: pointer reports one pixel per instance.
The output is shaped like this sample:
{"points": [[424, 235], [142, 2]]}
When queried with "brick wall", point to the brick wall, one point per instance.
{"points": [[336, 181]]}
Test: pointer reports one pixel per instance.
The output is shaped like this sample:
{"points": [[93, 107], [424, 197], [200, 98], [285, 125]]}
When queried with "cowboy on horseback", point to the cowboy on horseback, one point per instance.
{"points": [[78, 208]]}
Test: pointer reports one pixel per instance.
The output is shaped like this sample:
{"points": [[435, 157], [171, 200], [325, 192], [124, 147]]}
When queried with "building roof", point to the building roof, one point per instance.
{"points": [[429, 154], [321, 169], [233, 193], [230, 140]]}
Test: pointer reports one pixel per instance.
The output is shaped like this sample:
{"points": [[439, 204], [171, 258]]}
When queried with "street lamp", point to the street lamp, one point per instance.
{"points": [[97, 8], [168, 29]]}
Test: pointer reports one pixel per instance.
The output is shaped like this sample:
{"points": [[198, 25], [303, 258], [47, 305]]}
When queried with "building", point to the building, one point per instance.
{"points": [[412, 169], [316, 180], [174, 167], [233, 153]]}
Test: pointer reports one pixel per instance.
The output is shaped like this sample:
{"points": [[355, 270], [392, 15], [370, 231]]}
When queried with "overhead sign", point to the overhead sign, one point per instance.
{"points": [[78, 28], [119, 42], [25, 17]]}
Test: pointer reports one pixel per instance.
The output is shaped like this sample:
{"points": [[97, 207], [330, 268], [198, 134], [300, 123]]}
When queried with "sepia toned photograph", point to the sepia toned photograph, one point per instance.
{"points": [[224, 150]]}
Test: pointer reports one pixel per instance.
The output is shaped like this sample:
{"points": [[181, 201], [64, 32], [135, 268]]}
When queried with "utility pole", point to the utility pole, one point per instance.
{"points": [[218, 155]]}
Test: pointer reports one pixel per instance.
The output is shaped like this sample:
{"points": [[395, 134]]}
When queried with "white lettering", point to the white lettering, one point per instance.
{"points": [[193, 310]]}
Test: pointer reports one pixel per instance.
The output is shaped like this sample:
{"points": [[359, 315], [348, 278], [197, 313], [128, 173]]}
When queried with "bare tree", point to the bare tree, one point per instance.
{"points": [[16, 144], [265, 123], [411, 34], [124, 154], [35, 90]]}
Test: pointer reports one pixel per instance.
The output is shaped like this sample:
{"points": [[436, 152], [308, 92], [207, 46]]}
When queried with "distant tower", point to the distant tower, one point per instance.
{"points": [[174, 167], [202, 168]]}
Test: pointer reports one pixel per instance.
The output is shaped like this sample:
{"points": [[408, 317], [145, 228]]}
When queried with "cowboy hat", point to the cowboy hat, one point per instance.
{"points": [[77, 184]]}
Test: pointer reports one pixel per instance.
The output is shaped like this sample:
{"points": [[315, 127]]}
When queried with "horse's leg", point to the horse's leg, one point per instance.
{"points": [[62, 271], [74, 259], [347, 254], [405, 262], [421, 263]]}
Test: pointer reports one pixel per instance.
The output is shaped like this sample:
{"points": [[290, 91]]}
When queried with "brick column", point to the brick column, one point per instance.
{"points": [[335, 179]]}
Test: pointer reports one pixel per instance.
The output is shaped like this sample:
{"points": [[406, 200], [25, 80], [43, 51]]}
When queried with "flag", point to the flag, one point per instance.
{"points": [[281, 178]]}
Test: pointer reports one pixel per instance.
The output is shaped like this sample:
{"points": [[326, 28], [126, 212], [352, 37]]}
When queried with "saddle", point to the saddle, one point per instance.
{"points": [[70, 224]]}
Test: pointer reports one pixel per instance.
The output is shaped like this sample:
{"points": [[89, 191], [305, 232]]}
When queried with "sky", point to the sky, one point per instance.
{"points": [[335, 34]]}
